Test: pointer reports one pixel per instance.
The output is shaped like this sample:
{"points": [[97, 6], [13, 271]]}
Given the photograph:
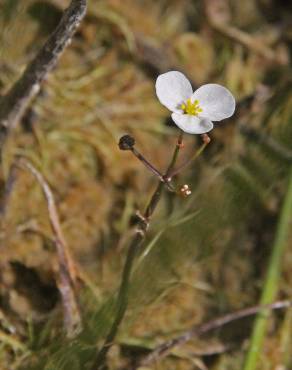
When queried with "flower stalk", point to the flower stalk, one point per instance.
{"points": [[122, 299], [192, 112], [127, 142], [206, 141]]}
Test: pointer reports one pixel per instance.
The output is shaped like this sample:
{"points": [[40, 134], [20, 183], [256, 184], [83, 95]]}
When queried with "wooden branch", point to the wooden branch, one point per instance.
{"points": [[66, 273], [15, 102]]}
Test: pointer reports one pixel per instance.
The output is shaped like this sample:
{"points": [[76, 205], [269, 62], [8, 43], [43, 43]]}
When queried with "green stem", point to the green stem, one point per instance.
{"points": [[189, 161], [122, 299], [272, 278], [175, 154]]}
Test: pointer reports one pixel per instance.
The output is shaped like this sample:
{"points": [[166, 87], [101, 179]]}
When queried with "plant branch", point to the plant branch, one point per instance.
{"points": [[127, 142], [153, 169], [122, 299], [206, 141], [164, 349], [147, 164], [67, 273], [15, 102]]}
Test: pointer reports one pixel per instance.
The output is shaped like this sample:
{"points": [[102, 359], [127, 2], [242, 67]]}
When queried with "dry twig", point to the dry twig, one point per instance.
{"points": [[67, 273], [164, 349], [15, 102]]}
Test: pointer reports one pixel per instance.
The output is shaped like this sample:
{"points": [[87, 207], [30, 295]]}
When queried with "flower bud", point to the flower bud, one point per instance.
{"points": [[185, 190], [126, 142]]}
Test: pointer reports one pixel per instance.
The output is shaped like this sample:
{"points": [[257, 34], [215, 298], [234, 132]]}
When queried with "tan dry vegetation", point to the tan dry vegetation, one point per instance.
{"points": [[102, 88]]}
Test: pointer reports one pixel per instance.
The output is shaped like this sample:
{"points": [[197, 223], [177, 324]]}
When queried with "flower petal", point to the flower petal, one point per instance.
{"points": [[216, 101], [172, 89], [192, 124]]}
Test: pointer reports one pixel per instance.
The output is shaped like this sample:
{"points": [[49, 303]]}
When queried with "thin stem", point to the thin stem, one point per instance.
{"points": [[154, 170], [179, 145], [147, 163], [122, 302], [165, 348], [271, 282], [67, 273], [193, 158], [122, 299]]}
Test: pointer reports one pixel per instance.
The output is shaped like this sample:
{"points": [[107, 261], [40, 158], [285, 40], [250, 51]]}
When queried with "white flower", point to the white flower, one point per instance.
{"points": [[193, 112]]}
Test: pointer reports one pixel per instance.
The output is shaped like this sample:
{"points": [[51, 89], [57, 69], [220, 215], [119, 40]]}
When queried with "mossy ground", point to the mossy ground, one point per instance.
{"points": [[102, 88]]}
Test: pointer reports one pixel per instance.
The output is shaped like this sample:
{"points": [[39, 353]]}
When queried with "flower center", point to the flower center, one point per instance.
{"points": [[191, 108]]}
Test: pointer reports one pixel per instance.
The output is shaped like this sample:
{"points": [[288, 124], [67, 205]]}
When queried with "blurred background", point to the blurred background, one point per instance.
{"points": [[207, 254]]}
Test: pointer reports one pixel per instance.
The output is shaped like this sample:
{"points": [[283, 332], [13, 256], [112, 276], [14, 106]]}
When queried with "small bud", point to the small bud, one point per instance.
{"points": [[185, 191], [206, 138], [126, 142]]}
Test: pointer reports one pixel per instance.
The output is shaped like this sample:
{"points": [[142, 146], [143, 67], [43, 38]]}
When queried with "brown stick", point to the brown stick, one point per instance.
{"points": [[14, 103], [67, 273], [163, 350]]}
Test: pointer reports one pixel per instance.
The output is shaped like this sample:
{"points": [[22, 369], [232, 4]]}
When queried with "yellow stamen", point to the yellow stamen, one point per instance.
{"points": [[192, 108]]}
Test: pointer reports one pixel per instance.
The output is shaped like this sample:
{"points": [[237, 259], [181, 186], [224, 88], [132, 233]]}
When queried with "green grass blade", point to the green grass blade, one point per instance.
{"points": [[272, 278]]}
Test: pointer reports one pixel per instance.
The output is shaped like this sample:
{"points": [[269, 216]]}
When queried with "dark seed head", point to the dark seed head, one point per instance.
{"points": [[126, 142]]}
